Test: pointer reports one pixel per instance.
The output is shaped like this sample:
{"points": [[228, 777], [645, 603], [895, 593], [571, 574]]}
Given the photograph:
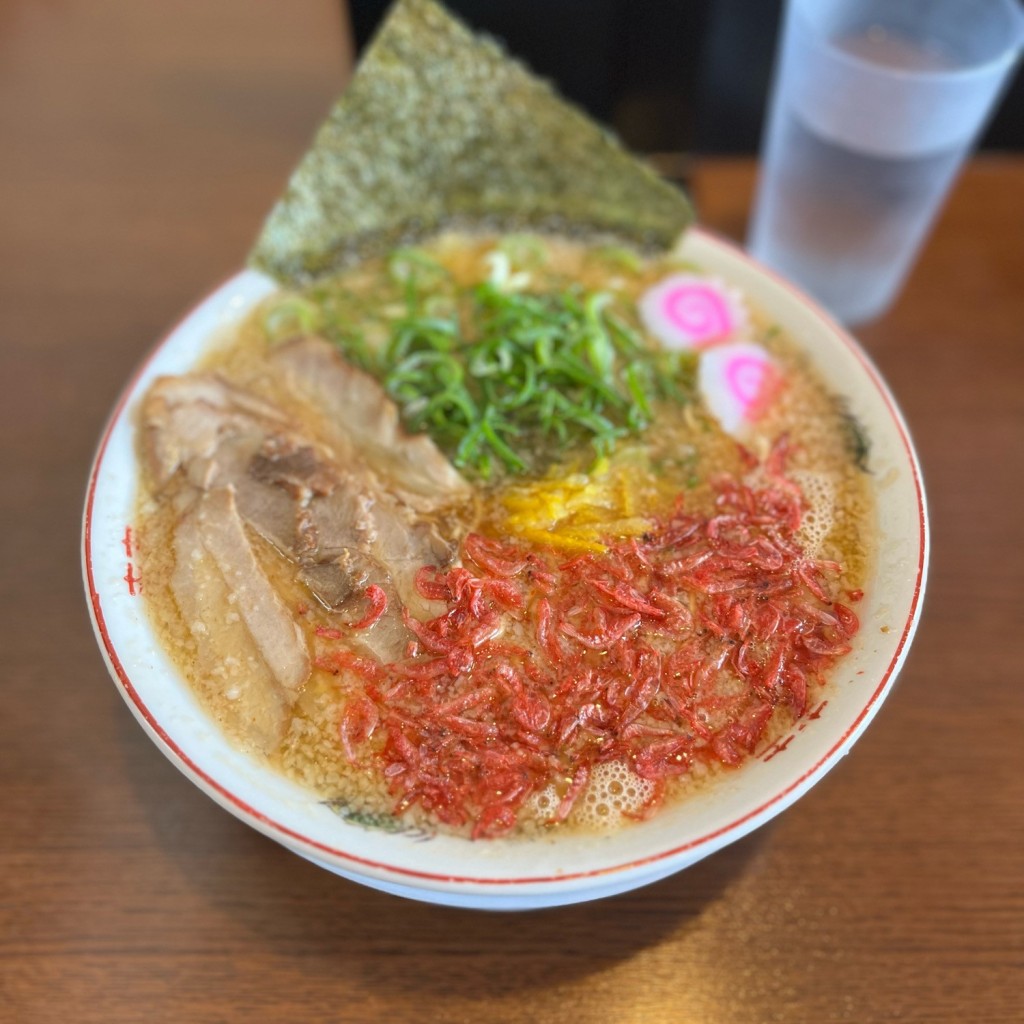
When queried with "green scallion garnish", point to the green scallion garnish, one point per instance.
{"points": [[501, 377]]}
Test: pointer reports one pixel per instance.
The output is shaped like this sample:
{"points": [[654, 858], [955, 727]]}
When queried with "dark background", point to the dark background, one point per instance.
{"points": [[665, 75]]}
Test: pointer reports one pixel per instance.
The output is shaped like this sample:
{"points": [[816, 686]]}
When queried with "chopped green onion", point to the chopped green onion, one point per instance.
{"points": [[501, 377], [289, 316]]}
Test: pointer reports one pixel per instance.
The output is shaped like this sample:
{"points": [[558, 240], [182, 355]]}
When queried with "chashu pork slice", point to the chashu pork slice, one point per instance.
{"points": [[330, 512], [274, 631], [228, 661], [362, 537], [187, 420], [359, 414]]}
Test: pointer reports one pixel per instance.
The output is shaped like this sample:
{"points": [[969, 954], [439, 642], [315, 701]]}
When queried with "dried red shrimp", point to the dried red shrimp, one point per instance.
{"points": [[669, 649]]}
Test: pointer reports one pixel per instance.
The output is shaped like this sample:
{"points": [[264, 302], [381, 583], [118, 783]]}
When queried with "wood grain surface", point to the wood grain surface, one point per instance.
{"points": [[140, 146]]}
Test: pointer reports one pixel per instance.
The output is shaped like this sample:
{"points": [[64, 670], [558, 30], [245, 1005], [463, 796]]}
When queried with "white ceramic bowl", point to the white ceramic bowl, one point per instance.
{"points": [[509, 874]]}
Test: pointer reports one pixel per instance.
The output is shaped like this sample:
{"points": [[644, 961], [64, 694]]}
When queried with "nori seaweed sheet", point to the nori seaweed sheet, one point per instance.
{"points": [[439, 127]]}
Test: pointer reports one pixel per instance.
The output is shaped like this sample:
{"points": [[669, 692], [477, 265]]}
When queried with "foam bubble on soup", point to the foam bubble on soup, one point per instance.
{"points": [[615, 792], [820, 495]]}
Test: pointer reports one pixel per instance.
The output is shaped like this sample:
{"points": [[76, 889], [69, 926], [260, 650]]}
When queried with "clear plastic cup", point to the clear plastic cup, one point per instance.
{"points": [[875, 105]]}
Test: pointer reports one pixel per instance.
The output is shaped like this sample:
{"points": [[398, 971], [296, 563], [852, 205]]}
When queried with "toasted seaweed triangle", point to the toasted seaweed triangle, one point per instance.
{"points": [[439, 127]]}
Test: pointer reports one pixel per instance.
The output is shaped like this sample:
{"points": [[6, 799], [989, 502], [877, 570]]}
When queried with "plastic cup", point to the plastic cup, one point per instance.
{"points": [[875, 105]]}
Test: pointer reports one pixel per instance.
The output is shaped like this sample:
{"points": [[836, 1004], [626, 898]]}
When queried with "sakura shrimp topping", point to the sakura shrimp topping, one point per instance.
{"points": [[661, 653]]}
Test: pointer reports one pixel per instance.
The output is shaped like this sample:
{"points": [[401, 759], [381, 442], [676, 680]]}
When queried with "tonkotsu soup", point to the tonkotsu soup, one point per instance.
{"points": [[499, 535]]}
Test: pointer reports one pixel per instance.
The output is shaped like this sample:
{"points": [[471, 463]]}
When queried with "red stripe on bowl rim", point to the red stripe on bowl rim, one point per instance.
{"points": [[287, 836]]}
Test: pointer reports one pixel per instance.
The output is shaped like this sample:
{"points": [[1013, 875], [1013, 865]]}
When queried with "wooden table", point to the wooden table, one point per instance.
{"points": [[140, 144]]}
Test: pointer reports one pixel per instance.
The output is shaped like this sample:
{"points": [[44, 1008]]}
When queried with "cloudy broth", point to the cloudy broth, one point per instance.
{"points": [[610, 624]]}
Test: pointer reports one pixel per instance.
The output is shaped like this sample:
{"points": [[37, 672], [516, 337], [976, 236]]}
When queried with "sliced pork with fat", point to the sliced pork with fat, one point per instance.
{"points": [[228, 662], [357, 408], [275, 632], [343, 496], [187, 419]]}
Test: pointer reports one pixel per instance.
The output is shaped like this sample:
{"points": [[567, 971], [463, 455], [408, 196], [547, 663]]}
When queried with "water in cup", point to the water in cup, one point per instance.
{"points": [[843, 221], [868, 129]]}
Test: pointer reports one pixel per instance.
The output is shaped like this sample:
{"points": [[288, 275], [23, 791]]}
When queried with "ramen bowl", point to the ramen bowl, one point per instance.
{"points": [[550, 868]]}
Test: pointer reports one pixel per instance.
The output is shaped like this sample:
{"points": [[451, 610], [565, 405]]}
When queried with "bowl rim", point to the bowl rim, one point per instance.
{"points": [[707, 842]]}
